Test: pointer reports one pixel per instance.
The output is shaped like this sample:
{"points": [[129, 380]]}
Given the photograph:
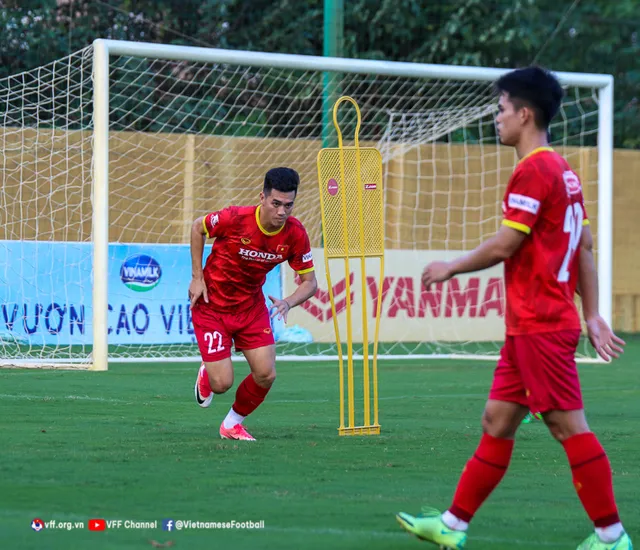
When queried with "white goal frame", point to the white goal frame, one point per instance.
{"points": [[103, 49]]}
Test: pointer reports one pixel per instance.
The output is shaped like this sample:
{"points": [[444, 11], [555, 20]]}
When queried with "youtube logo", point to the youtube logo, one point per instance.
{"points": [[97, 525]]}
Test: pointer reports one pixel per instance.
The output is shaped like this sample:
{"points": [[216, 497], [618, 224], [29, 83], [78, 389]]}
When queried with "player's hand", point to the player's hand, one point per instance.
{"points": [[280, 308], [197, 288], [436, 272], [605, 342]]}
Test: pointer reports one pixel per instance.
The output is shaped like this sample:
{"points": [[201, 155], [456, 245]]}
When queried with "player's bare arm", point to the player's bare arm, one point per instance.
{"points": [[491, 252], [197, 287], [307, 288], [602, 338]]}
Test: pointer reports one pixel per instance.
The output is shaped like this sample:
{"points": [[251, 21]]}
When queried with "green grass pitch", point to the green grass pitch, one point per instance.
{"points": [[132, 444]]}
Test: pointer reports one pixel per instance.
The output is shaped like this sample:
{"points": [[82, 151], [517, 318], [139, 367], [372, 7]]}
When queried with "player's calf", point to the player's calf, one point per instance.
{"points": [[592, 479], [202, 390], [220, 374], [251, 392], [213, 378]]}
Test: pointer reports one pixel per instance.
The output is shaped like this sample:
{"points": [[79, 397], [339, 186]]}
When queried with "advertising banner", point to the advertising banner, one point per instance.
{"points": [[46, 293], [468, 307]]}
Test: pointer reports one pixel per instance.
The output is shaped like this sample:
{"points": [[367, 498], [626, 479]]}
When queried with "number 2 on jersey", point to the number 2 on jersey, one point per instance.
{"points": [[572, 225], [214, 341]]}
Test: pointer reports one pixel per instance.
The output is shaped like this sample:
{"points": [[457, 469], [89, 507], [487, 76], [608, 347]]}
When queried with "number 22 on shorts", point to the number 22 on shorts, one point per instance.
{"points": [[214, 341]]}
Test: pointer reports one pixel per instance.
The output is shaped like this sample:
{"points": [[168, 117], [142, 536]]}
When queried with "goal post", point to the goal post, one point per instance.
{"points": [[175, 131], [100, 205], [605, 199]]}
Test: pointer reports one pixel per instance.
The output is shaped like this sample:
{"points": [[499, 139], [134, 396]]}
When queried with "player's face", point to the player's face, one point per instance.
{"points": [[508, 121], [277, 207]]}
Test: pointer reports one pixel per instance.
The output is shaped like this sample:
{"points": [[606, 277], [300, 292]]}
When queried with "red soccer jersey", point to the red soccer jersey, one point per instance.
{"points": [[543, 200], [244, 252]]}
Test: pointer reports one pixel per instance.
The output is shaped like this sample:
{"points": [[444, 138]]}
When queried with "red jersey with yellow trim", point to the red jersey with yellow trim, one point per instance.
{"points": [[244, 252], [544, 200]]}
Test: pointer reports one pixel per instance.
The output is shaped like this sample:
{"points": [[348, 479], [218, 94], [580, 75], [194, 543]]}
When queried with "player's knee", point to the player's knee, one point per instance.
{"points": [[266, 378], [489, 422], [562, 426], [558, 431], [497, 426], [220, 384]]}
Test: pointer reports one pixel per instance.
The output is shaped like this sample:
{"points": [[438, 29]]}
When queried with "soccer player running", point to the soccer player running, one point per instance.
{"points": [[546, 246], [226, 296]]}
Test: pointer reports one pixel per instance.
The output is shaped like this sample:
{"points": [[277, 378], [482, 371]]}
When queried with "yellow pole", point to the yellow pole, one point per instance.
{"points": [[375, 344], [336, 327], [347, 271], [363, 274]]}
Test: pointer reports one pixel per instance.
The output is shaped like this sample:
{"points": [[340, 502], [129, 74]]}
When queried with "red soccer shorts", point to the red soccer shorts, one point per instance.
{"points": [[539, 371], [249, 329]]}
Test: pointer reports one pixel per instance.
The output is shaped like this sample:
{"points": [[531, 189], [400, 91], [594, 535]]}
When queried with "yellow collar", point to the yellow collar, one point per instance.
{"points": [[535, 152], [267, 233]]}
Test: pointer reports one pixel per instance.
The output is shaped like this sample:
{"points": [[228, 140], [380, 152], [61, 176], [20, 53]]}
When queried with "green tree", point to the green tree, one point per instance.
{"points": [[595, 36]]}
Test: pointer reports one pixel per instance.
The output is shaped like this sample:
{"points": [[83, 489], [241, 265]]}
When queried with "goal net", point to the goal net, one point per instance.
{"points": [[102, 181]]}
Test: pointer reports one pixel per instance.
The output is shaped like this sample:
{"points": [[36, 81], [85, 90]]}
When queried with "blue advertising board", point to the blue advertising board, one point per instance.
{"points": [[46, 293]]}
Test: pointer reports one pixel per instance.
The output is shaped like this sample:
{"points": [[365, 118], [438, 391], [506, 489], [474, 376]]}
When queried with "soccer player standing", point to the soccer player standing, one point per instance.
{"points": [[226, 296], [546, 246]]}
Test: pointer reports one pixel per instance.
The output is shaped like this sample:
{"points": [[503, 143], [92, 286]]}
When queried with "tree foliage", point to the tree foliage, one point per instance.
{"points": [[596, 36]]}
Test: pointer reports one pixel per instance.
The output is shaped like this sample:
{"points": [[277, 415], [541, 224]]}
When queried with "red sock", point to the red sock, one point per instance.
{"points": [[249, 396], [481, 475], [592, 478]]}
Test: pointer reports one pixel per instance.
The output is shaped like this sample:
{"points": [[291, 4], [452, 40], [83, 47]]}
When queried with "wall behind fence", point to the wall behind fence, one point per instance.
{"points": [[439, 196]]}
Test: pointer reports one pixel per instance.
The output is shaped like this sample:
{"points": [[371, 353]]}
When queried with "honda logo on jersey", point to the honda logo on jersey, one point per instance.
{"points": [[571, 182], [259, 255]]}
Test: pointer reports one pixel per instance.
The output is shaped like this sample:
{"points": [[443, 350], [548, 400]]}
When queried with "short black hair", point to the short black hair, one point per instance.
{"points": [[536, 88], [284, 180]]}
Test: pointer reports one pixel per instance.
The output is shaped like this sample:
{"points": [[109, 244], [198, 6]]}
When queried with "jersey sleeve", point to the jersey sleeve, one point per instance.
{"points": [[523, 200], [301, 258], [216, 223]]}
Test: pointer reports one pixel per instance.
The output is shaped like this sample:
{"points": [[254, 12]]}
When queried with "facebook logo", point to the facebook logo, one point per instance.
{"points": [[167, 524]]}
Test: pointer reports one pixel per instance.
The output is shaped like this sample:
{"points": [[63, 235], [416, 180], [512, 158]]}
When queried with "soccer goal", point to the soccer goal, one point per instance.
{"points": [[109, 154]]}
